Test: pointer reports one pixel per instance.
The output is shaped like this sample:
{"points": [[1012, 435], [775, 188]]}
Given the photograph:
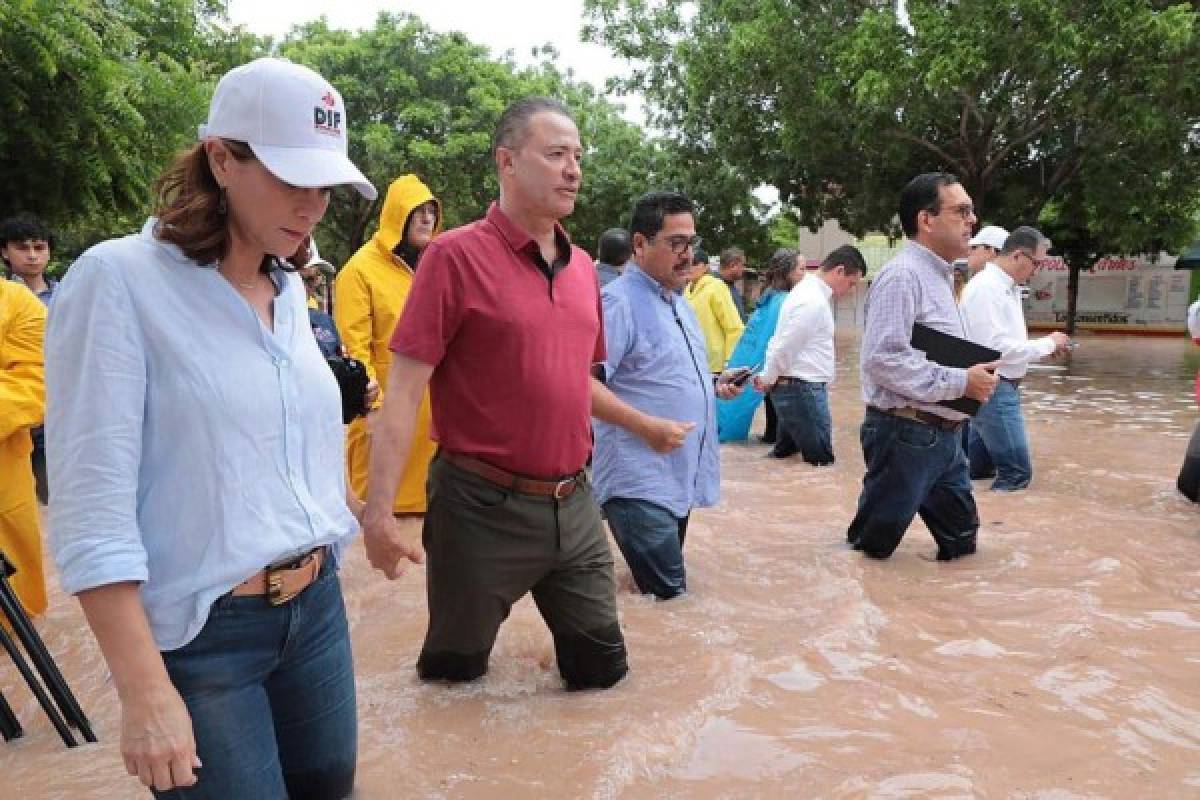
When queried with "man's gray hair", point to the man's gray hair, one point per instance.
{"points": [[513, 124], [1024, 238]]}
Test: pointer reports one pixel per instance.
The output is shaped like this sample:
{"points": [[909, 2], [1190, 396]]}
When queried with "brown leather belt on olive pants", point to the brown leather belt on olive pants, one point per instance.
{"points": [[559, 489], [281, 582]]}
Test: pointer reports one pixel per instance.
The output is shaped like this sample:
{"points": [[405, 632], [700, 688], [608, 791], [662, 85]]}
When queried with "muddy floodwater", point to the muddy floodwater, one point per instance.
{"points": [[1061, 662]]}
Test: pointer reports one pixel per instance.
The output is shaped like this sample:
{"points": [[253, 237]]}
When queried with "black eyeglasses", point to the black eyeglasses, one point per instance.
{"points": [[965, 210], [680, 244]]}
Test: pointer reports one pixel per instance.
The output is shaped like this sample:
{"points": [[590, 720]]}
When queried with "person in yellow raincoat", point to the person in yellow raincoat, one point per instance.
{"points": [[369, 296], [22, 406], [715, 309]]}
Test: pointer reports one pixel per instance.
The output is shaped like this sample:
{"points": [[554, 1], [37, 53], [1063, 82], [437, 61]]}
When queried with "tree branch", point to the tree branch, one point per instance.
{"points": [[950, 160]]}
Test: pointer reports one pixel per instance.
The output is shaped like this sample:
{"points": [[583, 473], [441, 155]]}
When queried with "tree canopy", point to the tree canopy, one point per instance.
{"points": [[1081, 117], [101, 93]]}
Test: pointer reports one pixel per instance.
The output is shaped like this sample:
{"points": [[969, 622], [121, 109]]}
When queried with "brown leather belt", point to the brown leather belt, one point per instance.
{"points": [[558, 489], [923, 417], [281, 582]]}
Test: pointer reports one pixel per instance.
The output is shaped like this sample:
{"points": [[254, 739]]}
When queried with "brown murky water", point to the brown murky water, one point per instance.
{"points": [[1061, 662]]}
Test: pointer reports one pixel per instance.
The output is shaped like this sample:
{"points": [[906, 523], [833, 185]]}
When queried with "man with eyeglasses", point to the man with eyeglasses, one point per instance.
{"points": [[911, 444], [656, 452], [991, 309]]}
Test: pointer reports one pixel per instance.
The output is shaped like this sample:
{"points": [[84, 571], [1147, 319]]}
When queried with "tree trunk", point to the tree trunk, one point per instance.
{"points": [[1073, 269]]}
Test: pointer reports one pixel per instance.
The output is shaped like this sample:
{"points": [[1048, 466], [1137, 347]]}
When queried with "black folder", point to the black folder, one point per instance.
{"points": [[952, 351]]}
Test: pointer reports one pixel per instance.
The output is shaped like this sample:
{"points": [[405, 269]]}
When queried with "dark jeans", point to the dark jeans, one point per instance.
{"points": [[804, 421], [998, 446], [651, 539], [270, 690], [771, 431], [486, 547], [37, 462], [913, 468]]}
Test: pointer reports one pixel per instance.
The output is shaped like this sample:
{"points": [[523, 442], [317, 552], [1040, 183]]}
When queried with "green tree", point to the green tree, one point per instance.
{"points": [[426, 102], [96, 96], [1083, 118]]}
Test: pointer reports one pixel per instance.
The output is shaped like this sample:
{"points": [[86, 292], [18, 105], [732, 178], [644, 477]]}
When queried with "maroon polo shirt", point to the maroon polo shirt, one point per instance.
{"points": [[512, 340]]}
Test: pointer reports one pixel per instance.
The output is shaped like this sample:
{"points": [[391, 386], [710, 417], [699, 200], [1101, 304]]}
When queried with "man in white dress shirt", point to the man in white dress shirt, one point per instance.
{"points": [[800, 360], [992, 316]]}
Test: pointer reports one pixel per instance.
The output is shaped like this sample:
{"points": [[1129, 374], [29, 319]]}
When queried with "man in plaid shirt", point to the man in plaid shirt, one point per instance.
{"points": [[912, 445]]}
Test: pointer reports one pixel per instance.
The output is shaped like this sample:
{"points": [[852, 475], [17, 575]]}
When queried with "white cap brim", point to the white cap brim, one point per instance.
{"points": [[311, 167]]}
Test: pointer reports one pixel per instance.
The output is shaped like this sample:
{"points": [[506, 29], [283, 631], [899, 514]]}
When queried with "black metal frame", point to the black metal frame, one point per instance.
{"points": [[51, 690]]}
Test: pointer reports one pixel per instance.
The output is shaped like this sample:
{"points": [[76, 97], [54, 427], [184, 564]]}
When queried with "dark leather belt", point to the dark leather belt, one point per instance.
{"points": [[1016, 382], [558, 489], [923, 417], [788, 380], [281, 582]]}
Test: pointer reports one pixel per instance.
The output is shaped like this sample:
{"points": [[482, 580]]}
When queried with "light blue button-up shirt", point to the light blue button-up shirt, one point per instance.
{"points": [[658, 364], [188, 445]]}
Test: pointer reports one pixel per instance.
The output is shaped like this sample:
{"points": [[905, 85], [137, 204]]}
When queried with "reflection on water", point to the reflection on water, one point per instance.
{"points": [[1060, 662]]}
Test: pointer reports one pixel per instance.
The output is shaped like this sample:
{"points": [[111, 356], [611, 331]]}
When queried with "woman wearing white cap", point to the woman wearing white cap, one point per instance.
{"points": [[196, 434]]}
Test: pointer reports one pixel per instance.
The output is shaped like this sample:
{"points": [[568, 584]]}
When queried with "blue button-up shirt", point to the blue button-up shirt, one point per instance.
{"points": [[657, 363], [188, 445], [915, 286]]}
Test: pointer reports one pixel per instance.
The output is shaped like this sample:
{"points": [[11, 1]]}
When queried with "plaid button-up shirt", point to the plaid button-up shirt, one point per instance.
{"points": [[915, 286]]}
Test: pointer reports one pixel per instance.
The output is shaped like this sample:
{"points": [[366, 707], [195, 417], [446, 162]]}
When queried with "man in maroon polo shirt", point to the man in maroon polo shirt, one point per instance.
{"points": [[503, 324]]}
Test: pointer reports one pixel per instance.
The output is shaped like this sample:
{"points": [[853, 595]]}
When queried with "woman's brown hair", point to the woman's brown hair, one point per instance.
{"points": [[190, 206]]}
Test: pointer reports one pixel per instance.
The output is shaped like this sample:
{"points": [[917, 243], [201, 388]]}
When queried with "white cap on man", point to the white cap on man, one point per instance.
{"points": [[992, 236], [293, 120]]}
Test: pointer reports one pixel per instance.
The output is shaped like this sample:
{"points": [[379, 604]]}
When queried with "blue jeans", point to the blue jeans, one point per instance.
{"points": [[651, 539], [804, 421], [998, 446], [270, 690], [913, 468]]}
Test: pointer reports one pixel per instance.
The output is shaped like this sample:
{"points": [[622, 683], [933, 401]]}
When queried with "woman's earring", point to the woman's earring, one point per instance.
{"points": [[222, 203]]}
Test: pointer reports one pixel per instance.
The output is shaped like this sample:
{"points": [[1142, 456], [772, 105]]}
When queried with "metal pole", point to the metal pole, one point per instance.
{"points": [[39, 655], [36, 687]]}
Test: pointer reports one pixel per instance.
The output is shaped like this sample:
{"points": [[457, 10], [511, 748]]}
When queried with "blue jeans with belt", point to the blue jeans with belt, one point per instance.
{"points": [[998, 445], [804, 420], [270, 690], [913, 468]]}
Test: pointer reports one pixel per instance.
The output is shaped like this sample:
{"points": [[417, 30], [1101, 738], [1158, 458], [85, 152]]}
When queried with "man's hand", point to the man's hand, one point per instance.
{"points": [[387, 546], [665, 435], [725, 387], [1061, 341], [981, 381], [762, 386]]}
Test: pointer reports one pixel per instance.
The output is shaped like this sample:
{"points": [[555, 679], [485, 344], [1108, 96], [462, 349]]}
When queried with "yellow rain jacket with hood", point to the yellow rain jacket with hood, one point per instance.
{"points": [[369, 297], [22, 406], [718, 316]]}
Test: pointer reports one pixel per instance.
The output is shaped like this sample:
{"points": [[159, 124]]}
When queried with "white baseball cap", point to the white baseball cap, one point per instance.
{"points": [[293, 120], [992, 236]]}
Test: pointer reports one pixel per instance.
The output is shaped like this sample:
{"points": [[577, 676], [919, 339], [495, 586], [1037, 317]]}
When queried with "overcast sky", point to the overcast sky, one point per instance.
{"points": [[500, 26]]}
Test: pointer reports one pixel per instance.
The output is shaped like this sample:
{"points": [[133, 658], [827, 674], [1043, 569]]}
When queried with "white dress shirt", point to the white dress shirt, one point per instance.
{"points": [[992, 316], [802, 346]]}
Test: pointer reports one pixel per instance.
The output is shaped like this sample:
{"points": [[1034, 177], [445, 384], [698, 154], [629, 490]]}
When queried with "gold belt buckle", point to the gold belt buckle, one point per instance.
{"points": [[276, 596]]}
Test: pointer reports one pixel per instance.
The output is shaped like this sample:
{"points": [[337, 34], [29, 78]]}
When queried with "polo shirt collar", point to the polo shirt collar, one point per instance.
{"points": [[517, 237]]}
